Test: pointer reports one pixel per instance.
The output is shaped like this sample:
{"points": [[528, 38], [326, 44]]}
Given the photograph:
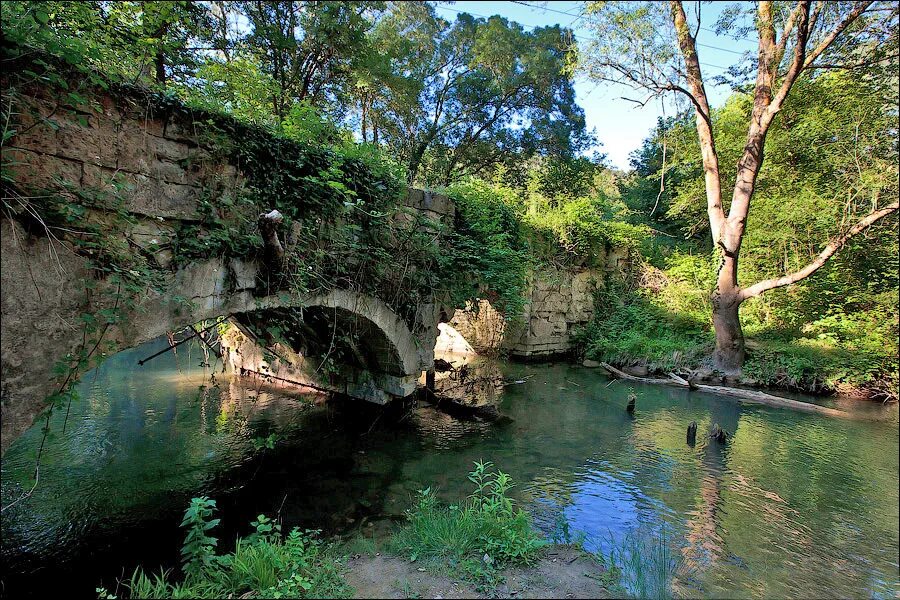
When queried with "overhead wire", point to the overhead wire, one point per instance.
{"points": [[578, 37]]}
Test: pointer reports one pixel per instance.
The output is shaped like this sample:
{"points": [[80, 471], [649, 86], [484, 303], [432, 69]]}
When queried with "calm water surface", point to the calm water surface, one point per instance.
{"points": [[792, 505]]}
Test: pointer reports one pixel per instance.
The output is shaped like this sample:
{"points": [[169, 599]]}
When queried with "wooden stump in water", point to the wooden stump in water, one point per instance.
{"points": [[692, 434], [718, 434]]}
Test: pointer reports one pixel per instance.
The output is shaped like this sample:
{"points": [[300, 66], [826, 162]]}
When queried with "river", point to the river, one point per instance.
{"points": [[792, 504]]}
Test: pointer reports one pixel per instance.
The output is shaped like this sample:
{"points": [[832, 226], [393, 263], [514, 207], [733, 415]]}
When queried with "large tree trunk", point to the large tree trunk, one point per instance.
{"points": [[729, 354], [727, 232], [726, 301]]}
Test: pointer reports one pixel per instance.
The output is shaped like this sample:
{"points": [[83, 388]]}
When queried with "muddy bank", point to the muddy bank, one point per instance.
{"points": [[561, 572]]}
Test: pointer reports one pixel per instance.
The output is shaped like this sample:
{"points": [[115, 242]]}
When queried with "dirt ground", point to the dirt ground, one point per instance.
{"points": [[562, 572]]}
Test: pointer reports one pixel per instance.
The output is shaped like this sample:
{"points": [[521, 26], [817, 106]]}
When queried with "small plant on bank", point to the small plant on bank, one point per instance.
{"points": [[643, 566], [265, 564], [479, 536]]}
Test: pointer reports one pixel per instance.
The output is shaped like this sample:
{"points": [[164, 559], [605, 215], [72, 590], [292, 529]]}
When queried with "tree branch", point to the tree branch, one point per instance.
{"points": [[786, 33], [833, 246], [688, 48], [829, 39]]}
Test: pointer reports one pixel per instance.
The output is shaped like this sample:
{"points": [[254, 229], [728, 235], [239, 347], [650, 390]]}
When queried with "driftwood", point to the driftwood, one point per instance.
{"points": [[629, 408], [176, 344], [718, 434], [750, 396]]}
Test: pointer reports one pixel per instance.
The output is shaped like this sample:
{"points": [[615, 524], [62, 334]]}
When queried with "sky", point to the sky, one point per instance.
{"points": [[620, 125]]}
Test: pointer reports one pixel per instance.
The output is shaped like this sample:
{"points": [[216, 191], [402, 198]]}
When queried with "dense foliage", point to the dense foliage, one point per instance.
{"points": [[481, 534], [332, 108], [268, 64], [448, 99], [827, 158]]}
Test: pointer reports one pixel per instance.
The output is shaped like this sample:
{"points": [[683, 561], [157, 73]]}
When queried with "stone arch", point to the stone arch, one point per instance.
{"points": [[368, 352], [401, 341], [41, 320]]}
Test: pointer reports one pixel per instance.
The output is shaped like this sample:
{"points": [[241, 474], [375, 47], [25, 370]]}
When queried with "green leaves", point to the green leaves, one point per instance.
{"points": [[198, 550], [264, 564], [479, 536]]}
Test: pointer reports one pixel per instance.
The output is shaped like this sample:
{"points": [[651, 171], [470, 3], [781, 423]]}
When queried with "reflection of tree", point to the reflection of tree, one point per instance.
{"points": [[705, 545]]}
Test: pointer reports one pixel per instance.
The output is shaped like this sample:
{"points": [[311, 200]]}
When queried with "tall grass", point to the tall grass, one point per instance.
{"points": [[264, 564], [646, 565]]}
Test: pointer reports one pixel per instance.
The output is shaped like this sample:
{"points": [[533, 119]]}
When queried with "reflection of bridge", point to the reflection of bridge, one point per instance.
{"points": [[163, 172]]}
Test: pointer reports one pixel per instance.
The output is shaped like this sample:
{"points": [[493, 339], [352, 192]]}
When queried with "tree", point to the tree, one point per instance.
{"points": [[458, 98], [653, 47], [140, 41], [307, 48]]}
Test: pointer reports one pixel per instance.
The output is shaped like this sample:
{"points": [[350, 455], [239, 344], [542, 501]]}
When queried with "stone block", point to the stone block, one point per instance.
{"points": [[150, 235], [135, 149], [170, 150], [243, 273], [154, 198], [180, 132], [41, 172], [169, 172], [105, 179], [164, 258], [544, 328], [202, 281], [94, 141], [38, 137]]}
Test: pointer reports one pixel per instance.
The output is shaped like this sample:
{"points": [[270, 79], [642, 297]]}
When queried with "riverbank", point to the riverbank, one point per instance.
{"points": [[656, 320], [560, 572], [481, 546]]}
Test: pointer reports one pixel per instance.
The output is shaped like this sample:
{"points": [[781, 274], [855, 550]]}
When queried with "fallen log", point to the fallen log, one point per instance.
{"points": [[749, 396]]}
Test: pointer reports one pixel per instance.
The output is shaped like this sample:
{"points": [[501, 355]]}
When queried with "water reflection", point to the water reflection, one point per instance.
{"points": [[790, 504]]}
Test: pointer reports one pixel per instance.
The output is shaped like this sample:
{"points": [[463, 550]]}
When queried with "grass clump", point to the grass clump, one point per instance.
{"points": [[477, 537], [642, 566], [265, 564]]}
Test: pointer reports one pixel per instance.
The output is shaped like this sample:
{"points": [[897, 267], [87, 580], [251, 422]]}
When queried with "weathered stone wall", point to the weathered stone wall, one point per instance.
{"points": [[151, 161], [559, 301]]}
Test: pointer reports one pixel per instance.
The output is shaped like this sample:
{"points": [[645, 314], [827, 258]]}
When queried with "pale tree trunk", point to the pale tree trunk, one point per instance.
{"points": [[728, 232]]}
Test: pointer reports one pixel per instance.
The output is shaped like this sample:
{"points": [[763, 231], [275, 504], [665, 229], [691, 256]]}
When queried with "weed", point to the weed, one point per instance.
{"points": [[264, 564], [643, 566], [477, 537]]}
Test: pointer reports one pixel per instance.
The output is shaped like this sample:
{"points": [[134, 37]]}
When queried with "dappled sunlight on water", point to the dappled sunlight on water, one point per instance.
{"points": [[792, 504]]}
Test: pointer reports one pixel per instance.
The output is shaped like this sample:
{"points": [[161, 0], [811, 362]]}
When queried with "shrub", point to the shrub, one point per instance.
{"points": [[482, 534]]}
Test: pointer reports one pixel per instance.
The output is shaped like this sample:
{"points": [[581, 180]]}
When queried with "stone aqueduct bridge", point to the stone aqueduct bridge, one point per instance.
{"points": [[59, 147]]}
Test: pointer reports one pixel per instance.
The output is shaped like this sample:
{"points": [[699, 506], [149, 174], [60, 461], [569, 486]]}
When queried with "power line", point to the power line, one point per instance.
{"points": [[561, 12], [578, 37]]}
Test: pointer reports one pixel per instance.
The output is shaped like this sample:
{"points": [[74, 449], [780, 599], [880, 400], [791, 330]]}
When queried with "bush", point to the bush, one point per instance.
{"points": [[483, 534], [630, 328], [264, 564], [489, 249]]}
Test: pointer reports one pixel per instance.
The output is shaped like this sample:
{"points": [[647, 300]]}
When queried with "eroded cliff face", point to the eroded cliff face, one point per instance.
{"points": [[560, 300]]}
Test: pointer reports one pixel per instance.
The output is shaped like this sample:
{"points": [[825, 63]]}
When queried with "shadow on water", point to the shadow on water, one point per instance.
{"points": [[788, 502]]}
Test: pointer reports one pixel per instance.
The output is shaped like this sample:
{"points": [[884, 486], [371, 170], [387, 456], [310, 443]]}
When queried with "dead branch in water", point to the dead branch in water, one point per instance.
{"points": [[750, 396]]}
